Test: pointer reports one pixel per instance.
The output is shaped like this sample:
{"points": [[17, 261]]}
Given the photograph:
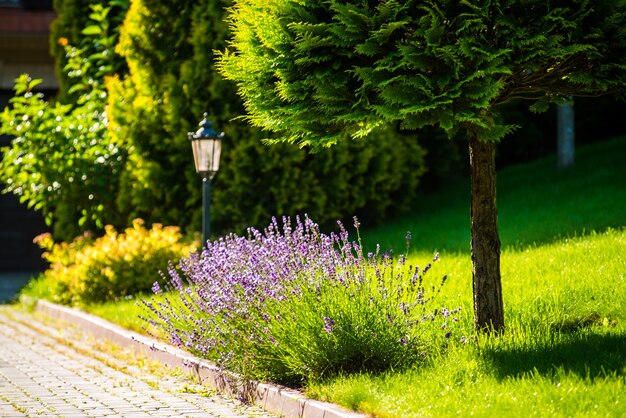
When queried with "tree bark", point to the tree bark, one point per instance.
{"points": [[485, 242]]}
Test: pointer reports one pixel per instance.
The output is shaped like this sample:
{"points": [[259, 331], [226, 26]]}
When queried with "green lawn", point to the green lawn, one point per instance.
{"points": [[537, 203], [564, 281], [563, 353], [564, 284]]}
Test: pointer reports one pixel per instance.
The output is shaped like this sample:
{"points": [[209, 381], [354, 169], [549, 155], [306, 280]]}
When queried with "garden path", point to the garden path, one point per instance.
{"points": [[50, 372]]}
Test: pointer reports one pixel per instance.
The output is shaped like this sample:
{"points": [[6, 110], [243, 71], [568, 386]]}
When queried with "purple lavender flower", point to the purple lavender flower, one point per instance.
{"points": [[329, 324], [405, 308], [156, 289], [175, 339], [244, 282]]}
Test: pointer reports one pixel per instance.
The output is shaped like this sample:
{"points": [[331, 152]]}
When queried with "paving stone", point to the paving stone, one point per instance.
{"points": [[60, 373]]}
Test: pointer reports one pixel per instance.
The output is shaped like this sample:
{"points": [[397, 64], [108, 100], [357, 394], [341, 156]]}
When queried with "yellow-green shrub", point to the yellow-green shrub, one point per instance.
{"points": [[114, 266]]}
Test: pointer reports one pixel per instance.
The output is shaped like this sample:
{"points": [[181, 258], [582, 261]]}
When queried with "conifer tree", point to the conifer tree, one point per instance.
{"points": [[311, 70]]}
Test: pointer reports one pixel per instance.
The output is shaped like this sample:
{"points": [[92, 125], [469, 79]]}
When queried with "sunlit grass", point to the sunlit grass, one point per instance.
{"points": [[126, 313], [563, 352], [537, 203]]}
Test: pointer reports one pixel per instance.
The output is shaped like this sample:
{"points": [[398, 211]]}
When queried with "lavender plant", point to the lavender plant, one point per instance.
{"points": [[294, 304]]}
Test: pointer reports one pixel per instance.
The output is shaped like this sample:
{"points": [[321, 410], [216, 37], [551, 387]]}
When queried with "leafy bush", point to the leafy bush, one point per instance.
{"points": [[110, 267], [62, 161], [298, 304]]}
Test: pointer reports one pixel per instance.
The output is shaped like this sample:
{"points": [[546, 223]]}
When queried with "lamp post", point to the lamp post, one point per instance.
{"points": [[206, 144]]}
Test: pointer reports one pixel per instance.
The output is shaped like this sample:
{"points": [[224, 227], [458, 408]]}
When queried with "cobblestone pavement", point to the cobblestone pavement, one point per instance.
{"points": [[51, 369]]}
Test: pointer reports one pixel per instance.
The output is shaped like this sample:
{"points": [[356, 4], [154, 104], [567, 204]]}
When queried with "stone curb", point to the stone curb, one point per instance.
{"points": [[279, 400]]}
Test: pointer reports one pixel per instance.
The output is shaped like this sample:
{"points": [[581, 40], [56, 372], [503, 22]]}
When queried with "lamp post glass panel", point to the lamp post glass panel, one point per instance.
{"points": [[206, 144]]}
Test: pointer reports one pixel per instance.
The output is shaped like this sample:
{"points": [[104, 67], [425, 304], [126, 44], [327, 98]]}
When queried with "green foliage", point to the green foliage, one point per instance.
{"points": [[313, 70], [110, 267], [66, 30], [79, 22], [373, 179], [62, 160], [171, 83]]}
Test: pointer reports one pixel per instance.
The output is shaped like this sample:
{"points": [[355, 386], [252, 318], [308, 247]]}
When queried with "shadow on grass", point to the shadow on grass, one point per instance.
{"points": [[537, 204], [590, 355]]}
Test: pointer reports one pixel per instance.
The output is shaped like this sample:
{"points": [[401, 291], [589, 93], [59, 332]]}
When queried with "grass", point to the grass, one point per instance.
{"points": [[537, 203], [564, 283], [563, 353]]}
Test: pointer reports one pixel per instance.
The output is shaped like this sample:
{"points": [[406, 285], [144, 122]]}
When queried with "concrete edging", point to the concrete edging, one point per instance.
{"points": [[276, 399]]}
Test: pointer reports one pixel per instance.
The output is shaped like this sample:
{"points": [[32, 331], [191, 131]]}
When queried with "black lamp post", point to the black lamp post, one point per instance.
{"points": [[206, 143]]}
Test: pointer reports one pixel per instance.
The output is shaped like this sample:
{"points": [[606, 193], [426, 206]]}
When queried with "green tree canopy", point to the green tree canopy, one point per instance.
{"points": [[311, 70]]}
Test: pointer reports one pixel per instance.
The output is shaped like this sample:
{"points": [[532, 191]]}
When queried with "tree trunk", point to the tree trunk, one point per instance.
{"points": [[565, 136], [485, 244]]}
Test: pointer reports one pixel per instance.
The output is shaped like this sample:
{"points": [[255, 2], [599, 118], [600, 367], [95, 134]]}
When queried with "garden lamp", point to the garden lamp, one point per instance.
{"points": [[206, 144]]}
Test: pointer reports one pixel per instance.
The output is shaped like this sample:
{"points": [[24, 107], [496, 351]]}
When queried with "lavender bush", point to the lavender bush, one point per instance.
{"points": [[293, 304]]}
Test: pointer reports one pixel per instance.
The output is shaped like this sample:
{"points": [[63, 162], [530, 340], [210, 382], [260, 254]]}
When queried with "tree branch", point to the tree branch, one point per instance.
{"points": [[549, 79]]}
